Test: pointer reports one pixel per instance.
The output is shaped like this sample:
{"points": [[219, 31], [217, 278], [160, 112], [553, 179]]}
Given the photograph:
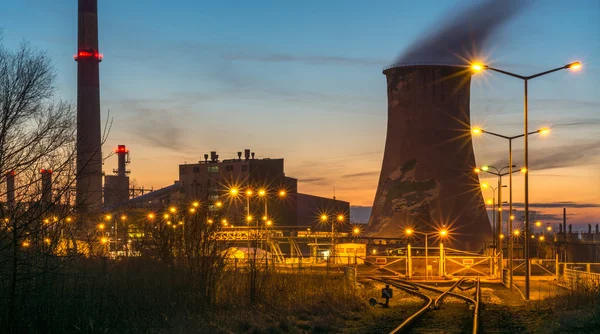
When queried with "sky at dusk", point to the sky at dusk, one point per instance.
{"points": [[302, 81]]}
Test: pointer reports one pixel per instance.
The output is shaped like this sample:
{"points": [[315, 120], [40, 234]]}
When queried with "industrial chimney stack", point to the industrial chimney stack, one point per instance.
{"points": [[46, 186], [89, 150], [10, 187]]}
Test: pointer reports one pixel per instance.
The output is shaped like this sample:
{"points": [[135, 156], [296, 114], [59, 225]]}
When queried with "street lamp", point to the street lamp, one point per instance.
{"points": [[477, 67], [499, 173], [542, 131], [498, 208], [442, 233]]}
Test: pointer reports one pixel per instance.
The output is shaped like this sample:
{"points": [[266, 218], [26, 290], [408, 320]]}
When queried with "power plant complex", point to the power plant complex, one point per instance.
{"points": [[425, 178]]}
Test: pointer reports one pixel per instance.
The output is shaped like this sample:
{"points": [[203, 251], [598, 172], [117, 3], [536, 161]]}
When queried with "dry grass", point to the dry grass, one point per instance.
{"points": [[144, 296]]}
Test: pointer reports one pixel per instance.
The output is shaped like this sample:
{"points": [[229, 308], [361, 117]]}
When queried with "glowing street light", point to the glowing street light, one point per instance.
{"points": [[106, 217], [196, 204], [233, 191], [151, 216], [192, 210], [356, 231], [477, 67], [282, 193], [166, 216], [573, 66], [549, 228], [262, 192], [516, 233], [442, 233], [219, 204], [172, 209], [341, 218], [249, 218], [101, 226], [269, 222], [538, 223]]}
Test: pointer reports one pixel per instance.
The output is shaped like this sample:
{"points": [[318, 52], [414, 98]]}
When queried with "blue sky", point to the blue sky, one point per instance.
{"points": [[302, 81]]}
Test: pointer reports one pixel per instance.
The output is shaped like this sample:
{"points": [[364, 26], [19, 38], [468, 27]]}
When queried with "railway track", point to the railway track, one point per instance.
{"points": [[429, 318]]}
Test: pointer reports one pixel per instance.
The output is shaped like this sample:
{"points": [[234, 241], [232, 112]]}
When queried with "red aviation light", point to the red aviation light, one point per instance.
{"points": [[121, 149], [88, 54], [43, 171]]}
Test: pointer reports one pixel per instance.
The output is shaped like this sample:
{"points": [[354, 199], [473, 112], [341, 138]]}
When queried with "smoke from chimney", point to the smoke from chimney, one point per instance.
{"points": [[462, 37]]}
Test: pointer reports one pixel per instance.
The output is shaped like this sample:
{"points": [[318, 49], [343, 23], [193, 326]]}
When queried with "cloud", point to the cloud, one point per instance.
{"points": [[360, 214], [558, 205], [313, 180], [307, 59], [575, 154], [542, 103], [361, 174]]}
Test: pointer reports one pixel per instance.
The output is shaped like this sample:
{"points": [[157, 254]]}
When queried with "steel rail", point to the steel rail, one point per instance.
{"points": [[476, 310], [440, 297], [430, 288], [415, 315], [475, 301]]}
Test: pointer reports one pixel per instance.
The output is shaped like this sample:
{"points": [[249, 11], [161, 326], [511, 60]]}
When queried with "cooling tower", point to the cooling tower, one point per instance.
{"points": [[89, 153], [427, 177]]}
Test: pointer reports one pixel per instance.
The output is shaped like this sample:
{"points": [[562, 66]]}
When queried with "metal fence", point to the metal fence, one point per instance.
{"points": [[574, 279]]}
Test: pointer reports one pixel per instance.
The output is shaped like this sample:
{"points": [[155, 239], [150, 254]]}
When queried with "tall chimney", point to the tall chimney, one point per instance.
{"points": [[46, 185], [122, 157], [565, 219], [427, 177], [10, 187], [89, 146], [247, 154]]}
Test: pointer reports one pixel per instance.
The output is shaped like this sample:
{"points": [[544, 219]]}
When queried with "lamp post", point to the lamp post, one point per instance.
{"points": [[124, 219], [108, 218], [542, 131], [442, 233], [497, 232], [480, 67], [499, 173]]}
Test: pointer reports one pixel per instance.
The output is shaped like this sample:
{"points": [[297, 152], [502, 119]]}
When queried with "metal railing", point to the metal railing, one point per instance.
{"points": [[576, 278]]}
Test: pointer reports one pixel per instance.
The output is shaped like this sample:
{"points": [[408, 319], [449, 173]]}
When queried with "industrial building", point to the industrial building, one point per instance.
{"points": [[244, 186]]}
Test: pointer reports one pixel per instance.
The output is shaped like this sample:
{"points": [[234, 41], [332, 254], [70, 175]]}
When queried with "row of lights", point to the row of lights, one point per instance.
{"points": [[234, 191]]}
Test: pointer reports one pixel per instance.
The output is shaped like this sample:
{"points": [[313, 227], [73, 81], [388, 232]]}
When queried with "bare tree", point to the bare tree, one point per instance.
{"points": [[37, 151]]}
